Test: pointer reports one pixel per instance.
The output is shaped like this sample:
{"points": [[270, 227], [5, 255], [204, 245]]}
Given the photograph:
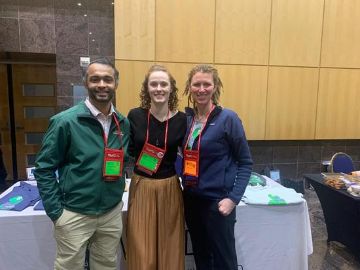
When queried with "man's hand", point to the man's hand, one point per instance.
{"points": [[226, 206]]}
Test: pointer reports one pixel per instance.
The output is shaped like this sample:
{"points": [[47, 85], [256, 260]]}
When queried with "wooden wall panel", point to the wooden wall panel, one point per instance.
{"points": [[244, 92], [245, 38], [185, 30], [242, 31], [132, 74], [135, 29], [291, 103], [296, 32], [338, 104], [341, 37]]}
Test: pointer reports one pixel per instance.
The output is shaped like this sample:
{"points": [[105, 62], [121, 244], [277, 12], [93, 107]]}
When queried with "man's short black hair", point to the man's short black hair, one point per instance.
{"points": [[103, 61]]}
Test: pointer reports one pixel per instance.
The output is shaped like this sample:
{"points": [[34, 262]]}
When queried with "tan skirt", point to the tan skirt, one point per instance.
{"points": [[155, 224]]}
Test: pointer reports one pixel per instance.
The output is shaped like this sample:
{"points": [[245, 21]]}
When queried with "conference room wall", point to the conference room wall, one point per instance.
{"points": [[63, 28], [42, 30], [293, 157], [290, 50]]}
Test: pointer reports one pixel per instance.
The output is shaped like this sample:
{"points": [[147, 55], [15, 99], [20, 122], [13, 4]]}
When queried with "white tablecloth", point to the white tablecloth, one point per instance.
{"points": [[267, 237]]}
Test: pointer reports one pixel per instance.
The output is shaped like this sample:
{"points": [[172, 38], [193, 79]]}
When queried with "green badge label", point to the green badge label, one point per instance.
{"points": [[112, 167], [148, 162]]}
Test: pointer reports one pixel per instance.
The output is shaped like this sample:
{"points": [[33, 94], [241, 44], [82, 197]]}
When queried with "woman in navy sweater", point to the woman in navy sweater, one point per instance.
{"points": [[217, 168]]}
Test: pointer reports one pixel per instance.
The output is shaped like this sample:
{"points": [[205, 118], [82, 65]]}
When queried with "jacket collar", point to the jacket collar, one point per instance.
{"points": [[191, 112], [86, 113], [95, 110]]}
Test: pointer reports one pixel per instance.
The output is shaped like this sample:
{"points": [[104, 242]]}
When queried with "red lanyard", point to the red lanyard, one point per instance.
{"points": [[166, 129], [192, 127], [119, 131]]}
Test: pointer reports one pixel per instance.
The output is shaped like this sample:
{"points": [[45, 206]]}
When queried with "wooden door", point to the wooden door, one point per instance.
{"points": [[5, 138], [34, 96]]}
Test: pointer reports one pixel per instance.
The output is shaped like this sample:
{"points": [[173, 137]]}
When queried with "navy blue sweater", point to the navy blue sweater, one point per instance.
{"points": [[225, 160]]}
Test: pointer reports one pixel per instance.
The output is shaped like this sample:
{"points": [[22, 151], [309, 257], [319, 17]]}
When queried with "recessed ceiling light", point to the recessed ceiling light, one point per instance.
{"points": [[85, 15], [79, 4]]}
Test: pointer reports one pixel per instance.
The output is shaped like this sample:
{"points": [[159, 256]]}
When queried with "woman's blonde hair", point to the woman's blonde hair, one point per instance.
{"points": [[204, 68], [145, 100]]}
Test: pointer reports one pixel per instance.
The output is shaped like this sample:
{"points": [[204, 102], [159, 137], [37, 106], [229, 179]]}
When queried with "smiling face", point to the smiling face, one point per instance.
{"points": [[101, 83], [202, 88], [159, 87]]}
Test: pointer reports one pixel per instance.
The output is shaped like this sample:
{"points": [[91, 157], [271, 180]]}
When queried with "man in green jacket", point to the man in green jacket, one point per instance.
{"points": [[87, 146]]}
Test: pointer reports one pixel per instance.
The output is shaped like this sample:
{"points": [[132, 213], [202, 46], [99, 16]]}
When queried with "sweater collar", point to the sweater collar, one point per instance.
{"points": [[191, 112]]}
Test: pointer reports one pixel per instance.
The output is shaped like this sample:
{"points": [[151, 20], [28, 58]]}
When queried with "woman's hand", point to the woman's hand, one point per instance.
{"points": [[226, 206]]}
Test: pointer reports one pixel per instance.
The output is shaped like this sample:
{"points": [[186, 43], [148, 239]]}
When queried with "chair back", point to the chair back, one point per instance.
{"points": [[341, 163]]}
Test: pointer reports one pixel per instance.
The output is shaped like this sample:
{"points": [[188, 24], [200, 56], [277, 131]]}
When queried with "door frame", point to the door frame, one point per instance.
{"points": [[10, 60]]}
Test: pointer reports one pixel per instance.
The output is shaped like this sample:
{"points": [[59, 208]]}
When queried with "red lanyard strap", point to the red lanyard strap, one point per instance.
{"points": [[166, 129], [203, 127], [119, 131]]}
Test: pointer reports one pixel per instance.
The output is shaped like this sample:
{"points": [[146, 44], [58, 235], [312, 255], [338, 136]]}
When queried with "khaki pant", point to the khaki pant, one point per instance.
{"points": [[74, 231], [155, 225]]}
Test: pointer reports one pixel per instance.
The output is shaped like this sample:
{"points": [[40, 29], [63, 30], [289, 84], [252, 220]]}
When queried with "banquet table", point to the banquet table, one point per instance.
{"points": [[341, 212], [267, 237]]}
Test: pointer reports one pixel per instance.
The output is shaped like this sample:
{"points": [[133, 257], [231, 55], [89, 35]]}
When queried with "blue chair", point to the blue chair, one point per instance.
{"points": [[341, 163]]}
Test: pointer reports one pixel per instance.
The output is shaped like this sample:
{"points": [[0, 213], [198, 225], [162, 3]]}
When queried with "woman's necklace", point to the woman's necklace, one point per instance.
{"points": [[200, 118], [161, 116]]}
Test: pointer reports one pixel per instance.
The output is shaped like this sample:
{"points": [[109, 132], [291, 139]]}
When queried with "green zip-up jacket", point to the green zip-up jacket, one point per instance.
{"points": [[74, 146]]}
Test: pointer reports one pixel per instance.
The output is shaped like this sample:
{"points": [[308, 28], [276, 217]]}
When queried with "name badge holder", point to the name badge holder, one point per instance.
{"points": [[151, 156], [113, 158], [192, 157], [191, 166]]}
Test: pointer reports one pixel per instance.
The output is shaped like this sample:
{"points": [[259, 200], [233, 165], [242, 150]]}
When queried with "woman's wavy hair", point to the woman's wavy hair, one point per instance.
{"points": [[145, 100], [204, 68]]}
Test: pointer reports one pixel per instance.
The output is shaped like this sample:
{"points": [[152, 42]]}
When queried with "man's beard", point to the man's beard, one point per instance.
{"points": [[94, 95]]}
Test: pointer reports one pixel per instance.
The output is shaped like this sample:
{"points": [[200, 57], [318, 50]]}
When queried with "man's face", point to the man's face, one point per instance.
{"points": [[100, 83]]}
